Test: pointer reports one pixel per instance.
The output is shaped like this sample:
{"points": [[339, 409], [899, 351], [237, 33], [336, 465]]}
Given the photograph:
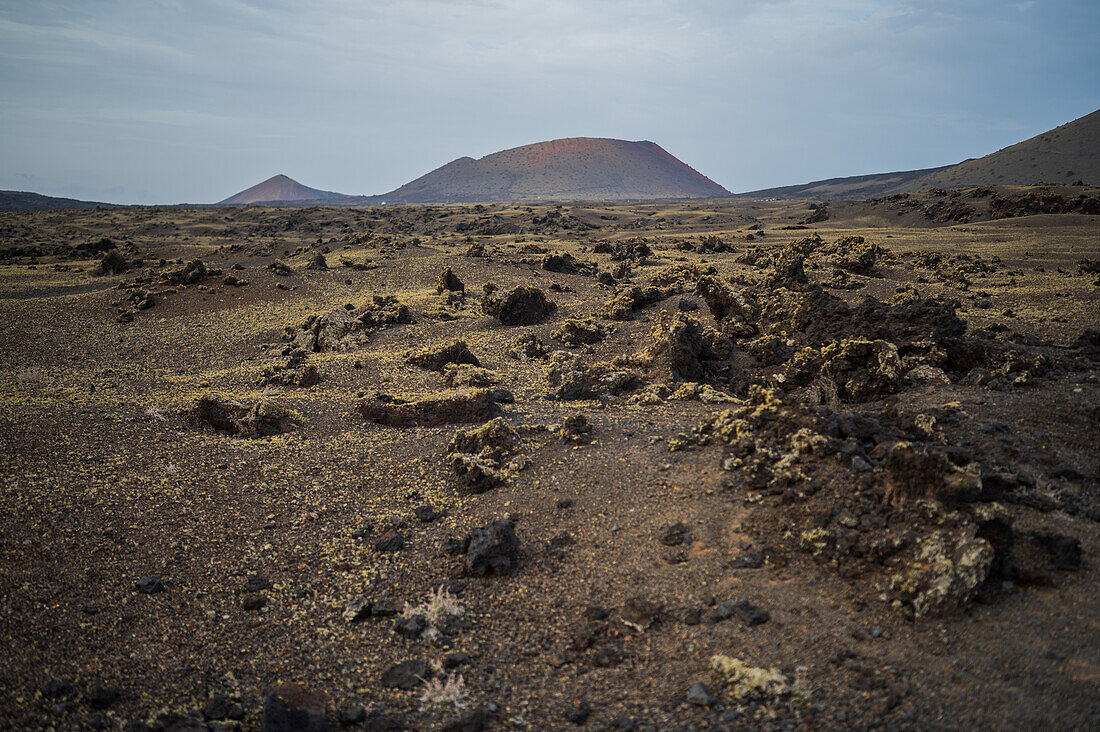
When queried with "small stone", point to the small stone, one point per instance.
{"points": [[750, 614], [256, 583], [639, 613], [411, 627], [579, 714], [294, 709], [102, 697], [254, 601], [699, 695], [623, 721], [385, 608], [426, 513], [150, 585], [453, 660], [390, 541], [405, 675], [358, 609], [352, 715], [221, 706]]}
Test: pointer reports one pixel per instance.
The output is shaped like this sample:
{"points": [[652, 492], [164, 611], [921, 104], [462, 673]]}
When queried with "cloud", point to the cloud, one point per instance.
{"points": [[185, 98]]}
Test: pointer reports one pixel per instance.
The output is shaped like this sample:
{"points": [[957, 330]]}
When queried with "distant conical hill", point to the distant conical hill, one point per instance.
{"points": [[575, 168], [278, 189]]}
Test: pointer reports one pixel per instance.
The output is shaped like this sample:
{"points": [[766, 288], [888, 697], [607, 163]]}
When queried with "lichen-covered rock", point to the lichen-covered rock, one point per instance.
{"points": [[317, 261], [575, 429], [681, 348], [730, 309], [383, 311], [572, 379], [745, 682], [336, 330], [449, 282], [344, 330], [478, 456], [854, 254], [634, 297], [580, 332], [768, 350], [528, 346], [259, 419], [859, 369], [460, 375], [945, 572], [634, 249], [463, 406], [520, 306], [435, 358], [189, 273], [301, 377], [496, 438]]}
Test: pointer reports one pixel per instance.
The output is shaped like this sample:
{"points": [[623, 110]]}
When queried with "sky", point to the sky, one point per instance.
{"points": [[164, 101]]}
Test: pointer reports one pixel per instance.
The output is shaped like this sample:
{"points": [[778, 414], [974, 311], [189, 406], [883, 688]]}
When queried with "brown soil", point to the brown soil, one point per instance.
{"points": [[872, 505]]}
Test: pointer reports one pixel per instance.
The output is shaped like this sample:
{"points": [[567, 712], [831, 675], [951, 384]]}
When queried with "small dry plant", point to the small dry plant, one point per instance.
{"points": [[440, 606]]}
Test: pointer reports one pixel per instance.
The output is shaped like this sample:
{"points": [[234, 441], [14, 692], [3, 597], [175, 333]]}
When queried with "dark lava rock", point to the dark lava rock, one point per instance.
{"points": [[405, 675], [253, 601], [256, 583], [624, 721], [351, 716], [170, 720], [750, 614], [220, 706], [492, 548], [579, 714], [101, 696], [358, 610], [436, 358], [1065, 551], [294, 709], [473, 721], [378, 722], [317, 261], [748, 559], [411, 627], [520, 306], [453, 660], [113, 262], [390, 541], [449, 282], [150, 585], [57, 689], [426, 513], [676, 534], [191, 272]]}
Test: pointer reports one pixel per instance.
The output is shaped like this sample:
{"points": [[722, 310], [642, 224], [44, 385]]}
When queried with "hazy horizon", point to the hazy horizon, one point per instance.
{"points": [[165, 102]]}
